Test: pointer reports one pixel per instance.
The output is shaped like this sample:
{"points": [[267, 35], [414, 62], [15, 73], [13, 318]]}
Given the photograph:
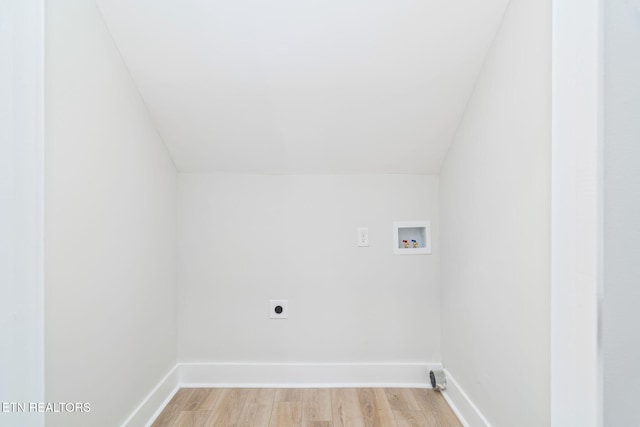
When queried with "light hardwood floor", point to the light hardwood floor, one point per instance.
{"points": [[335, 407]]}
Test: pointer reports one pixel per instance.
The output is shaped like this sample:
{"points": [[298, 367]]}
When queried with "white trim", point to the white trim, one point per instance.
{"points": [[22, 48], [464, 408], [149, 409], [306, 374], [306, 385], [41, 196], [575, 213]]}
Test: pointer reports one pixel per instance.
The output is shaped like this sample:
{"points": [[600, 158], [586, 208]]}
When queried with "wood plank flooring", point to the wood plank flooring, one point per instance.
{"points": [[324, 407]]}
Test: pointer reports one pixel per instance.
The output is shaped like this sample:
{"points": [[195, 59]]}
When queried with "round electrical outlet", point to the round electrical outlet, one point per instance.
{"points": [[279, 309]]}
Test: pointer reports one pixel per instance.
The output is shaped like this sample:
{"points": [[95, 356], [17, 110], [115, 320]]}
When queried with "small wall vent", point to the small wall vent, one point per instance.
{"points": [[438, 380]]}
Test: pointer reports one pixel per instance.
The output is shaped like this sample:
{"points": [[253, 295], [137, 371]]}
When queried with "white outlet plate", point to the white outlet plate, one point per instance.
{"points": [[363, 237], [278, 303]]}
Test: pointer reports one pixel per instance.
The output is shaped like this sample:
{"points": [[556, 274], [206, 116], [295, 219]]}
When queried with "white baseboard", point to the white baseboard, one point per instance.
{"points": [[279, 375], [462, 406], [155, 401]]}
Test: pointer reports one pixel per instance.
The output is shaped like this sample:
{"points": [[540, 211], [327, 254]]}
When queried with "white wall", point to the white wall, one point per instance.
{"points": [[110, 227], [495, 231], [21, 207], [621, 342], [245, 239]]}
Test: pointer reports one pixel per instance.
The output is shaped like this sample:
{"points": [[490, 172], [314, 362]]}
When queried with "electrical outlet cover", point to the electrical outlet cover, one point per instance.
{"points": [[363, 237], [278, 309]]}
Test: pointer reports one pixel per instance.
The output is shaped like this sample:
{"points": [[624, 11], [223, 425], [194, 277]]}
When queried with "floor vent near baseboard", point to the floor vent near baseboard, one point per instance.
{"points": [[438, 380]]}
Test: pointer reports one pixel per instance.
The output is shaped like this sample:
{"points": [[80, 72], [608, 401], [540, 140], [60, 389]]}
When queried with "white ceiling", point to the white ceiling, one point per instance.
{"points": [[305, 86]]}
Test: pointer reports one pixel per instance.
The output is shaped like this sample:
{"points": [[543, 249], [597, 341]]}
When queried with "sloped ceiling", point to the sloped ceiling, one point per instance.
{"points": [[305, 86]]}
